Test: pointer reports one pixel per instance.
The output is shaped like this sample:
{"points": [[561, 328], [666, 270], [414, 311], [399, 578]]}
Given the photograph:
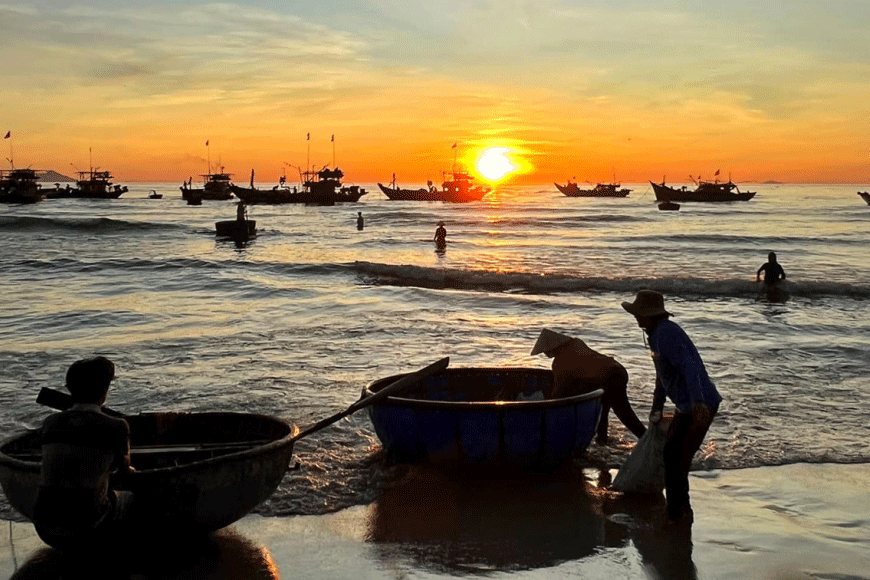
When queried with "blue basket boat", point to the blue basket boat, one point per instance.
{"points": [[484, 417]]}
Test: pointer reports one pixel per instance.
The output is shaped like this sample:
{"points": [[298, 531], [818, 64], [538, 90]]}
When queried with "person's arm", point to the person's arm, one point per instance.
{"points": [[681, 353], [758, 274]]}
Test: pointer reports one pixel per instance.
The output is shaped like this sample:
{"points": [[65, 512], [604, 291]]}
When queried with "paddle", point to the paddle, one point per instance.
{"points": [[59, 400], [391, 389]]}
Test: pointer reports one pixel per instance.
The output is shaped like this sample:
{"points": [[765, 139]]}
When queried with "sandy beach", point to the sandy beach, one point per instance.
{"points": [[795, 521]]}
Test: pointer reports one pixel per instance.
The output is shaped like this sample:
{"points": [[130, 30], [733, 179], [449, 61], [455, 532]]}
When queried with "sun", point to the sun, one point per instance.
{"points": [[493, 164]]}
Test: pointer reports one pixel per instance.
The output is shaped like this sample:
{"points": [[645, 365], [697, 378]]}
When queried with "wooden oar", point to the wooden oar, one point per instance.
{"points": [[391, 389]]}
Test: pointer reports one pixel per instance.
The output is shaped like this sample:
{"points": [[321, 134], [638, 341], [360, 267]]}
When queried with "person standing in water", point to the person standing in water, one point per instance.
{"points": [[773, 271], [681, 377], [360, 223], [440, 238]]}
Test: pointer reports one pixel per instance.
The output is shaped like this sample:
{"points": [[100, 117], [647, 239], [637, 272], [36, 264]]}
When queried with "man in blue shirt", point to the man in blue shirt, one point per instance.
{"points": [[681, 377]]}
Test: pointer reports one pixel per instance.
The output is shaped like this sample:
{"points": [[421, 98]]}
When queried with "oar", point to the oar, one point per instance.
{"points": [[391, 389]]}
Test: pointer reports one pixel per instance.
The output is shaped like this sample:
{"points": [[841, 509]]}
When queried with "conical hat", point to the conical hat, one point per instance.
{"points": [[548, 340]]}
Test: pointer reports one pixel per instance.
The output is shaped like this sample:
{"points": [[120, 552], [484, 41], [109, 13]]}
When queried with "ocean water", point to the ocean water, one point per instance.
{"points": [[297, 321]]}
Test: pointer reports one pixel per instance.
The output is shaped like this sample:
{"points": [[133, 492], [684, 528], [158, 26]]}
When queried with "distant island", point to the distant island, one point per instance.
{"points": [[51, 176]]}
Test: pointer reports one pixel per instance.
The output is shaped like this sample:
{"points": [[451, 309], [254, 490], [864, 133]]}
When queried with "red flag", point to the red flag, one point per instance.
{"points": [[717, 172], [206, 142], [308, 136], [8, 134], [454, 146], [333, 138]]}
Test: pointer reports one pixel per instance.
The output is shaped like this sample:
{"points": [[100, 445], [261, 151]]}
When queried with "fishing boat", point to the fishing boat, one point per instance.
{"points": [[669, 206], [457, 187], [865, 196], [322, 187], [600, 190], [195, 472], [709, 191], [155, 195], [91, 184], [484, 417], [19, 186], [215, 186]]}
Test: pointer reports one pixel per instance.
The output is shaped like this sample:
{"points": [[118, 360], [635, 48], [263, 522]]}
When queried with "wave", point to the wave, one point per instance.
{"points": [[92, 225], [535, 283]]}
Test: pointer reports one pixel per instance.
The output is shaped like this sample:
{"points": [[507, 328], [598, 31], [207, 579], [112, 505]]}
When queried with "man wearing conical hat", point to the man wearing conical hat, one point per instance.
{"points": [[578, 369], [681, 377]]}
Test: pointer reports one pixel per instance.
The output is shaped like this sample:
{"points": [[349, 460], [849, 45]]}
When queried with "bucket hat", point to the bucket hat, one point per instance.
{"points": [[647, 303]]}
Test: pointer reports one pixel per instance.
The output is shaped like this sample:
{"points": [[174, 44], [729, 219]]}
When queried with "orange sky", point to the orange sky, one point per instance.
{"points": [[611, 89]]}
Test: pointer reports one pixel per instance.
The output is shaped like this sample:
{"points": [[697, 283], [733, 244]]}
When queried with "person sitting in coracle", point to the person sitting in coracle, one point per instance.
{"points": [[578, 369], [82, 448]]}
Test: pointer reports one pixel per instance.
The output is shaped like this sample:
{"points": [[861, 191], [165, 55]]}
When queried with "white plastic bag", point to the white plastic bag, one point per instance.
{"points": [[644, 470]]}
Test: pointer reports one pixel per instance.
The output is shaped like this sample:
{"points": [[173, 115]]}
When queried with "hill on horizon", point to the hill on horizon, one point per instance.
{"points": [[51, 176]]}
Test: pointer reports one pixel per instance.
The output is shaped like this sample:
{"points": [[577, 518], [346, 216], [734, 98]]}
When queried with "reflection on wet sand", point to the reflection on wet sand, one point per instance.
{"points": [[223, 555], [460, 524], [475, 524]]}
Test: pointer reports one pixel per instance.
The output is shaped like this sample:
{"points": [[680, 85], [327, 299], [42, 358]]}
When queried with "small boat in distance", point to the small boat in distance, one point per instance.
{"points": [[19, 186], [216, 186], [457, 187], [865, 196], [669, 206], [322, 187], [600, 190], [91, 184], [484, 418], [706, 191], [155, 195]]}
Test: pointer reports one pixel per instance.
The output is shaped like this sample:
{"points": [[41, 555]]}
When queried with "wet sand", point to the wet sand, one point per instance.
{"points": [[790, 522]]}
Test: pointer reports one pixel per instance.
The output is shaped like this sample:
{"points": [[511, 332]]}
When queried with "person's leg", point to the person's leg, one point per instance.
{"points": [[676, 480]]}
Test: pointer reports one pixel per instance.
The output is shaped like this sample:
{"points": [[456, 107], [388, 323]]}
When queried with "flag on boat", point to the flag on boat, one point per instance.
{"points": [[717, 172], [454, 146], [8, 134], [333, 138], [308, 136], [206, 142]]}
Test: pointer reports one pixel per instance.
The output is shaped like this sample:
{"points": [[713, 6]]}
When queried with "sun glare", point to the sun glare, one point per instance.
{"points": [[493, 164]]}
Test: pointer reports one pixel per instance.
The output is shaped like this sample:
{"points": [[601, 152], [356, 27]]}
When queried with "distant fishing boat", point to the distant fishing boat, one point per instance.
{"points": [[91, 184], [865, 196], [457, 187], [19, 186], [322, 187], [155, 195], [600, 190], [216, 186], [705, 191]]}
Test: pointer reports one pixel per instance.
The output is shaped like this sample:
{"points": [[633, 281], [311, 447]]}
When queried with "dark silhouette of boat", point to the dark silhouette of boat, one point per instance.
{"points": [[600, 190], [669, 206], [195, 472], [457, 187], [483, 418], [236, 229], [155, 195], [19, 186], [321, 187], [91, 184], [216, 186], [708, 191], [865, 196]]}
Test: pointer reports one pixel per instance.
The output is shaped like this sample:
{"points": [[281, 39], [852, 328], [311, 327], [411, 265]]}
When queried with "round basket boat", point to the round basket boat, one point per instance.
{"points": [[195, 472], [484, 417]]}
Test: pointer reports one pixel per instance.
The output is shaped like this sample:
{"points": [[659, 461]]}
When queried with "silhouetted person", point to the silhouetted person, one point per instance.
{"points": [[81, 449], [252, 179], [578, 369], [773, 272], [440, 238], [360, 223], [241, 213], [681, 377]]}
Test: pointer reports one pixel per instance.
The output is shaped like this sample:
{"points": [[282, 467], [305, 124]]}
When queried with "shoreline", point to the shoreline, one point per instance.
{"points": [[784, 522]]}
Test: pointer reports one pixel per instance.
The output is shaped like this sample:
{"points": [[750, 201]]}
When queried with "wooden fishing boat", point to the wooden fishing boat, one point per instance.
{"points": [[457, 187], [482, 417], [669, 206], [709, 191], [215, 186], [865, 196], [155, 195], [238, 230], [19, 186], [91, 184], [600, 190], [195, 472], [321, 187]]}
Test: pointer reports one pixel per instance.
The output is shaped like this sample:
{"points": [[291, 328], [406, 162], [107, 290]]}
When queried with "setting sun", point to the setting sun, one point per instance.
{"points": [[493, 164]]}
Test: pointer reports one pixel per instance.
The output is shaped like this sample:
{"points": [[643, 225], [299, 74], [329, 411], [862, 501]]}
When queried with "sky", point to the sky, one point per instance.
{"points": [[595, 91]]}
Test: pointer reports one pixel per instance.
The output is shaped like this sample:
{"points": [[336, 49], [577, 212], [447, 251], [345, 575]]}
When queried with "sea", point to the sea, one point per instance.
{"points": [[298, 320]]}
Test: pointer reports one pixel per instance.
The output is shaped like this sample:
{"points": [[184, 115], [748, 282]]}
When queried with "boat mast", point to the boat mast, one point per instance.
{"points": [[11, 157], [333, 150], [208, 149]]}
